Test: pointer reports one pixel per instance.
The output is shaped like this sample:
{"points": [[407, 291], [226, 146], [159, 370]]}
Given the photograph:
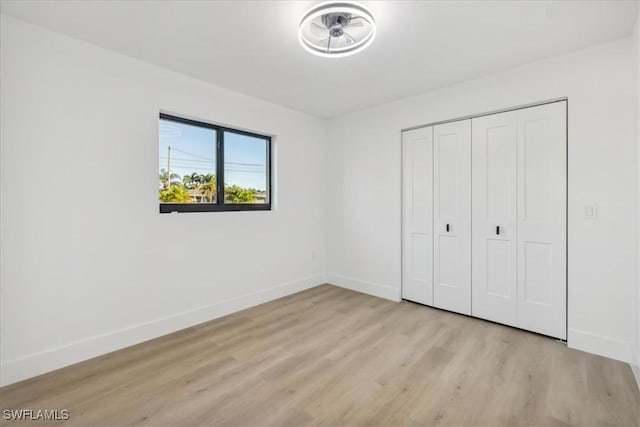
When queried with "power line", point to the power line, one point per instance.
{"points": [[189, 160], [203, 167], [207, 159], [211, 161], [189, 165], [195, 169], [191, 154], [244, 164]]}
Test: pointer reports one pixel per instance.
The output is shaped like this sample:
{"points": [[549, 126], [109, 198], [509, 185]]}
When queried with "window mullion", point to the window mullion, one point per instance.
{"points": [[220, 166]]}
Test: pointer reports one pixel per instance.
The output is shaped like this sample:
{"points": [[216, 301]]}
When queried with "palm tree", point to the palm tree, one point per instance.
{"points": [[193, 181], [167, 180], [209, 187]]}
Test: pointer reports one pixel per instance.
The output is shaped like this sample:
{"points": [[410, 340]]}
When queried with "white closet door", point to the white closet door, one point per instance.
{"points": [[417, 212], [452, 216], [542, 177], [494, 217]]}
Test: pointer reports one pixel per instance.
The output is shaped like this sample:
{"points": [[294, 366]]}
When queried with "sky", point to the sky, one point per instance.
{"points": [[193, 150]]}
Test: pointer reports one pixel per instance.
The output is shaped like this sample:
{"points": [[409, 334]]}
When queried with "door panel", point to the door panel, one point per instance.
{"points": [[447, 178], [417, 213], [452, 207], [538, 274], [421, 250], [542, 175], [499, 269], [494, 205], [447, 260]]}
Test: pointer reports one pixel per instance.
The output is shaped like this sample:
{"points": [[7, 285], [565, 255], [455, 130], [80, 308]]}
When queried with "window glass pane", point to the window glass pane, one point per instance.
{"points": [[245, 169], [187, 163]]}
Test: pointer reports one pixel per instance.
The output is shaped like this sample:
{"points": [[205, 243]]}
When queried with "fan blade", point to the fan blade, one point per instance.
{"points": [[318, 30], [329, 45], [354, 24], [348, 37]]}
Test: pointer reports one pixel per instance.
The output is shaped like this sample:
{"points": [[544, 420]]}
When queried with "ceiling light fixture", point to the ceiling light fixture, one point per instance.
{"points": [[337, 29]]}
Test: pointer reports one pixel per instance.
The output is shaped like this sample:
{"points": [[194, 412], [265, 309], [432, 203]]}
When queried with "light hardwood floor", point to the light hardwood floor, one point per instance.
{"points": [[329, 356]]}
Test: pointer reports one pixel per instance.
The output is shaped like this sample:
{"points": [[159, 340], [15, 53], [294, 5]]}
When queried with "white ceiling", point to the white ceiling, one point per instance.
{"points": [[252, 47]]}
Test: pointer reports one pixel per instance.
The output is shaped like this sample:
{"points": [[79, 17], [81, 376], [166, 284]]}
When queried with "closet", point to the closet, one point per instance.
{"points": [[452, 216], [484, 217]]}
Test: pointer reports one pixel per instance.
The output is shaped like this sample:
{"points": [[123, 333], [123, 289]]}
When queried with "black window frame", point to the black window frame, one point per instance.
{"points": [[220, 205]]}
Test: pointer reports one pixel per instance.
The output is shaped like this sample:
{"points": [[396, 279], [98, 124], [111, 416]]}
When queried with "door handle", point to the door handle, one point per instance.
{"points": [[447, 228], [498, 230]]}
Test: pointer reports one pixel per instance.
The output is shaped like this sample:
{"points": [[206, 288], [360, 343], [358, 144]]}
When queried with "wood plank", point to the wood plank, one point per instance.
{"points": [[330, 356]]}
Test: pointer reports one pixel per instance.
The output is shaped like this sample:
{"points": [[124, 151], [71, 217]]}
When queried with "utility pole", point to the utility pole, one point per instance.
{"points": [[168, 167]]}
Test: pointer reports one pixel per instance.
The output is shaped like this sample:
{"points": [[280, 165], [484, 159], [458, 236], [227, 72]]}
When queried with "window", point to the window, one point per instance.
{"points": [[195, 159]]}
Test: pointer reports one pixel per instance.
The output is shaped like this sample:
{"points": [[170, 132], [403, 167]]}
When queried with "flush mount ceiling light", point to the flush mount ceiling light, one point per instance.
{"points": [[336, 29]]}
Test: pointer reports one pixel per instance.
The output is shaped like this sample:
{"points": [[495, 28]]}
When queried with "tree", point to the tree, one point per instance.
{"points": [[235, 194], [175, 194], [167, 180], [192, 181], [209, 187]]}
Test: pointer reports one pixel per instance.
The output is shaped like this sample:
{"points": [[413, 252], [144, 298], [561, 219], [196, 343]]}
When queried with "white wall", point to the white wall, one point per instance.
{"points": [[364, 183], [636, 319], [87, 263]]}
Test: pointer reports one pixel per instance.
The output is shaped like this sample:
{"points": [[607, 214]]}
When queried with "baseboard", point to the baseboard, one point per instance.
{"points": [[600, 345], [51, 359], [375, 289]]}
